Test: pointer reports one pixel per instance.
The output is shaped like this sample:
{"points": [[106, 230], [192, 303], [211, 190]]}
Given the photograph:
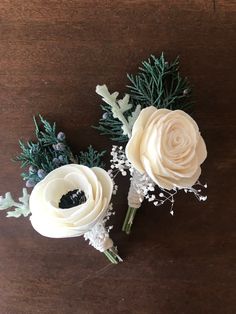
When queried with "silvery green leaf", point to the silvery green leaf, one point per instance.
{"points": [[134, 115], [103, 91], [117, 107], [21, 207], [25, 197], [125, 130], [124, 103], [6, 202], [17, 212], [115, 113]]}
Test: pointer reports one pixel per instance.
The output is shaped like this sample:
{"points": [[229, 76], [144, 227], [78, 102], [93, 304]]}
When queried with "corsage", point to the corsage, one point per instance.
{"points": [[71, 194], [164, 148]]}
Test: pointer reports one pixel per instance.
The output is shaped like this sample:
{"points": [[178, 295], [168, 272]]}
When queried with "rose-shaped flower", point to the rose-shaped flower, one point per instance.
{"points": [[47, 218], [167, 146]]}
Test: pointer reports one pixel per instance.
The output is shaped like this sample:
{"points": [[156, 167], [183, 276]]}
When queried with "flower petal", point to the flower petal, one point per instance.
{"points": [[132, 151], [201, 150]]}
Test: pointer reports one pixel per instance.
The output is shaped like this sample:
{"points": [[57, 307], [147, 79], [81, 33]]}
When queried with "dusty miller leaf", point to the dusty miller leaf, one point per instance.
{"points": [[118, 107], [124, 104], [134, 115], [21, 207]]}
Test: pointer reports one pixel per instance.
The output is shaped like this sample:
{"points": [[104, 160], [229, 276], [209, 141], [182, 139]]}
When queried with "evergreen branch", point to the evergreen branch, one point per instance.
{"points": [[110, 126], [48, 153], [91, 158], [159, 84]]}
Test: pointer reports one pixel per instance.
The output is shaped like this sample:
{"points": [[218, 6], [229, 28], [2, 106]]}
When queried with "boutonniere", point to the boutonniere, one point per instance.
{"points": [[164, 148], [71, 194]]}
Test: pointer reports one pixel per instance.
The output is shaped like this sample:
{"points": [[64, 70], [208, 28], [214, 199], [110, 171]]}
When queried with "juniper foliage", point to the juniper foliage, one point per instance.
{"points": [[50, 151], [158, 83], [108, 125], [91, 157], [44, 155]]}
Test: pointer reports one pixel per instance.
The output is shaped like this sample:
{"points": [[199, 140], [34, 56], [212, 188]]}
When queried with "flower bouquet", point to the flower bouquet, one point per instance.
{"points": [[164, 148], [71, 194]]}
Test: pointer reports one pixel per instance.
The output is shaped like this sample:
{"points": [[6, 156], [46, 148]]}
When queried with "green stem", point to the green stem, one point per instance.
{"points": [[113, 256], [129, 219]]}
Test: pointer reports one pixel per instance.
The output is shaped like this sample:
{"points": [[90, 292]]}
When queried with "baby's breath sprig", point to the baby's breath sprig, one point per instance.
{"points": [[143, 188]]}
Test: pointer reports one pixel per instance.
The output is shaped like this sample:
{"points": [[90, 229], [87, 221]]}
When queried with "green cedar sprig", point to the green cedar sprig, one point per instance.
{"points": [[51, 151], [108, 125], [47, 153], [91, 157], [159, 84]]}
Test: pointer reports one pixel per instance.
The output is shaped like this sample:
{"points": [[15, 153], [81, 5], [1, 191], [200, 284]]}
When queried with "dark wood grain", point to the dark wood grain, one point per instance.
{"points": [[53, 53]]}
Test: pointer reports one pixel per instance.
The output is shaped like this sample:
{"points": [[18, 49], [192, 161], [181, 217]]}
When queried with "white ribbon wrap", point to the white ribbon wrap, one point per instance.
{"points": [[99, 238], [135, 196]]}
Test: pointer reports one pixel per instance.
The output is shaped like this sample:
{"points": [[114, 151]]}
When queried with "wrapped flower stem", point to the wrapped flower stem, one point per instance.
{"points": [[99, 238], [134, 201]]}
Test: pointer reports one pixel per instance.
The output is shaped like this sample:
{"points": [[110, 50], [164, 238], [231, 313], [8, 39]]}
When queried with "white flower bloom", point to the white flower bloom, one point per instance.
{"points": [[50, 220], [167, 146]]}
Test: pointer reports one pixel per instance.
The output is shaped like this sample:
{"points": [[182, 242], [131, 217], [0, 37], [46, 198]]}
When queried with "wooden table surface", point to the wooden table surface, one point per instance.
{"points": [[53, 53]]}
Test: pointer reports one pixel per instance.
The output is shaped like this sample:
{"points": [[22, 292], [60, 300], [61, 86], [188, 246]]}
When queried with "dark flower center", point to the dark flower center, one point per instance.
{"points": [[72, 198]]}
